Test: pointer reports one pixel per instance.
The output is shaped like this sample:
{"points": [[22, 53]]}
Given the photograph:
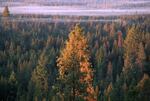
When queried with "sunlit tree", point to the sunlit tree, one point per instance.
{"points": [[131, 44], [75, 70], [6, 12], [108, 91]]}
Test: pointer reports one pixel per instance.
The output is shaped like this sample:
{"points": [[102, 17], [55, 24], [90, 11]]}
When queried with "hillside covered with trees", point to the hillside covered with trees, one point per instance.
{"points": [[75, 61]]}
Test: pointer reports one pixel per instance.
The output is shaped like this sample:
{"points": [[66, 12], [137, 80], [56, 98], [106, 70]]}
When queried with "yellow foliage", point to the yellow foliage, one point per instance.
{"points": [[6, 12], [142, 81], [75, 57]]}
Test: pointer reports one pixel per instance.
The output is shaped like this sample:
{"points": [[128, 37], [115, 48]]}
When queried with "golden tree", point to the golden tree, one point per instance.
{"points": [[142, 81], [131, 47], [108, 91], [75, 72], [6, 12]]}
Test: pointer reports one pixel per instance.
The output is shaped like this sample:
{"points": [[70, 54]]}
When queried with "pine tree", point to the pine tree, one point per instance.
{"points": [[39, 79], [108, 91], [119, 39], [142, 81], [109, 69], [75, 71], [13, 87], [117, 91], [12, 78], [140, 56], [99, 64], [6, 12], [131, 94], [131, 44], [144, 88], [133, 59], [4, 88], [99, 56], [115, 47]]}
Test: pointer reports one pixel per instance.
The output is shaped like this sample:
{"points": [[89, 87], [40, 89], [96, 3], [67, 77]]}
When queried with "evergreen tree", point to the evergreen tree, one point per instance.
{"points": [[131, 46], [4, 89], [117, 93], [12, 87], [140, 56], [142, 81], [108, 91], [99, 73], [39, 80], [109, 70], [144, 88], [75, 72]]}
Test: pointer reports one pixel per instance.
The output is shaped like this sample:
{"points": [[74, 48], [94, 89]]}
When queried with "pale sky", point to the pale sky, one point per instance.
{"points": [[86, 7]]}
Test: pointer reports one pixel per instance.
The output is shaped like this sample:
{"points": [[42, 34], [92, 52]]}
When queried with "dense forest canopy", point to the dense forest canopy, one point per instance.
{"points": [[83, 59]]}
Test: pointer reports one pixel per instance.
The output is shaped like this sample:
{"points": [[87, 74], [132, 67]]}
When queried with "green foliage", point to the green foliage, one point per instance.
{"points": [[117, 93], [29, 50], [40, 82]]}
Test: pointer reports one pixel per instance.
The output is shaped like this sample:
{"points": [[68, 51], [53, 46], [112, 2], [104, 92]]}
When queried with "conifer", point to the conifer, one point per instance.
{"points": [[75, 70], [6, 12]]}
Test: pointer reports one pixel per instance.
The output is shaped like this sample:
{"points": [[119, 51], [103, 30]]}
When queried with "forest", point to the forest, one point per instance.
{"points": [[75, 60]]}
